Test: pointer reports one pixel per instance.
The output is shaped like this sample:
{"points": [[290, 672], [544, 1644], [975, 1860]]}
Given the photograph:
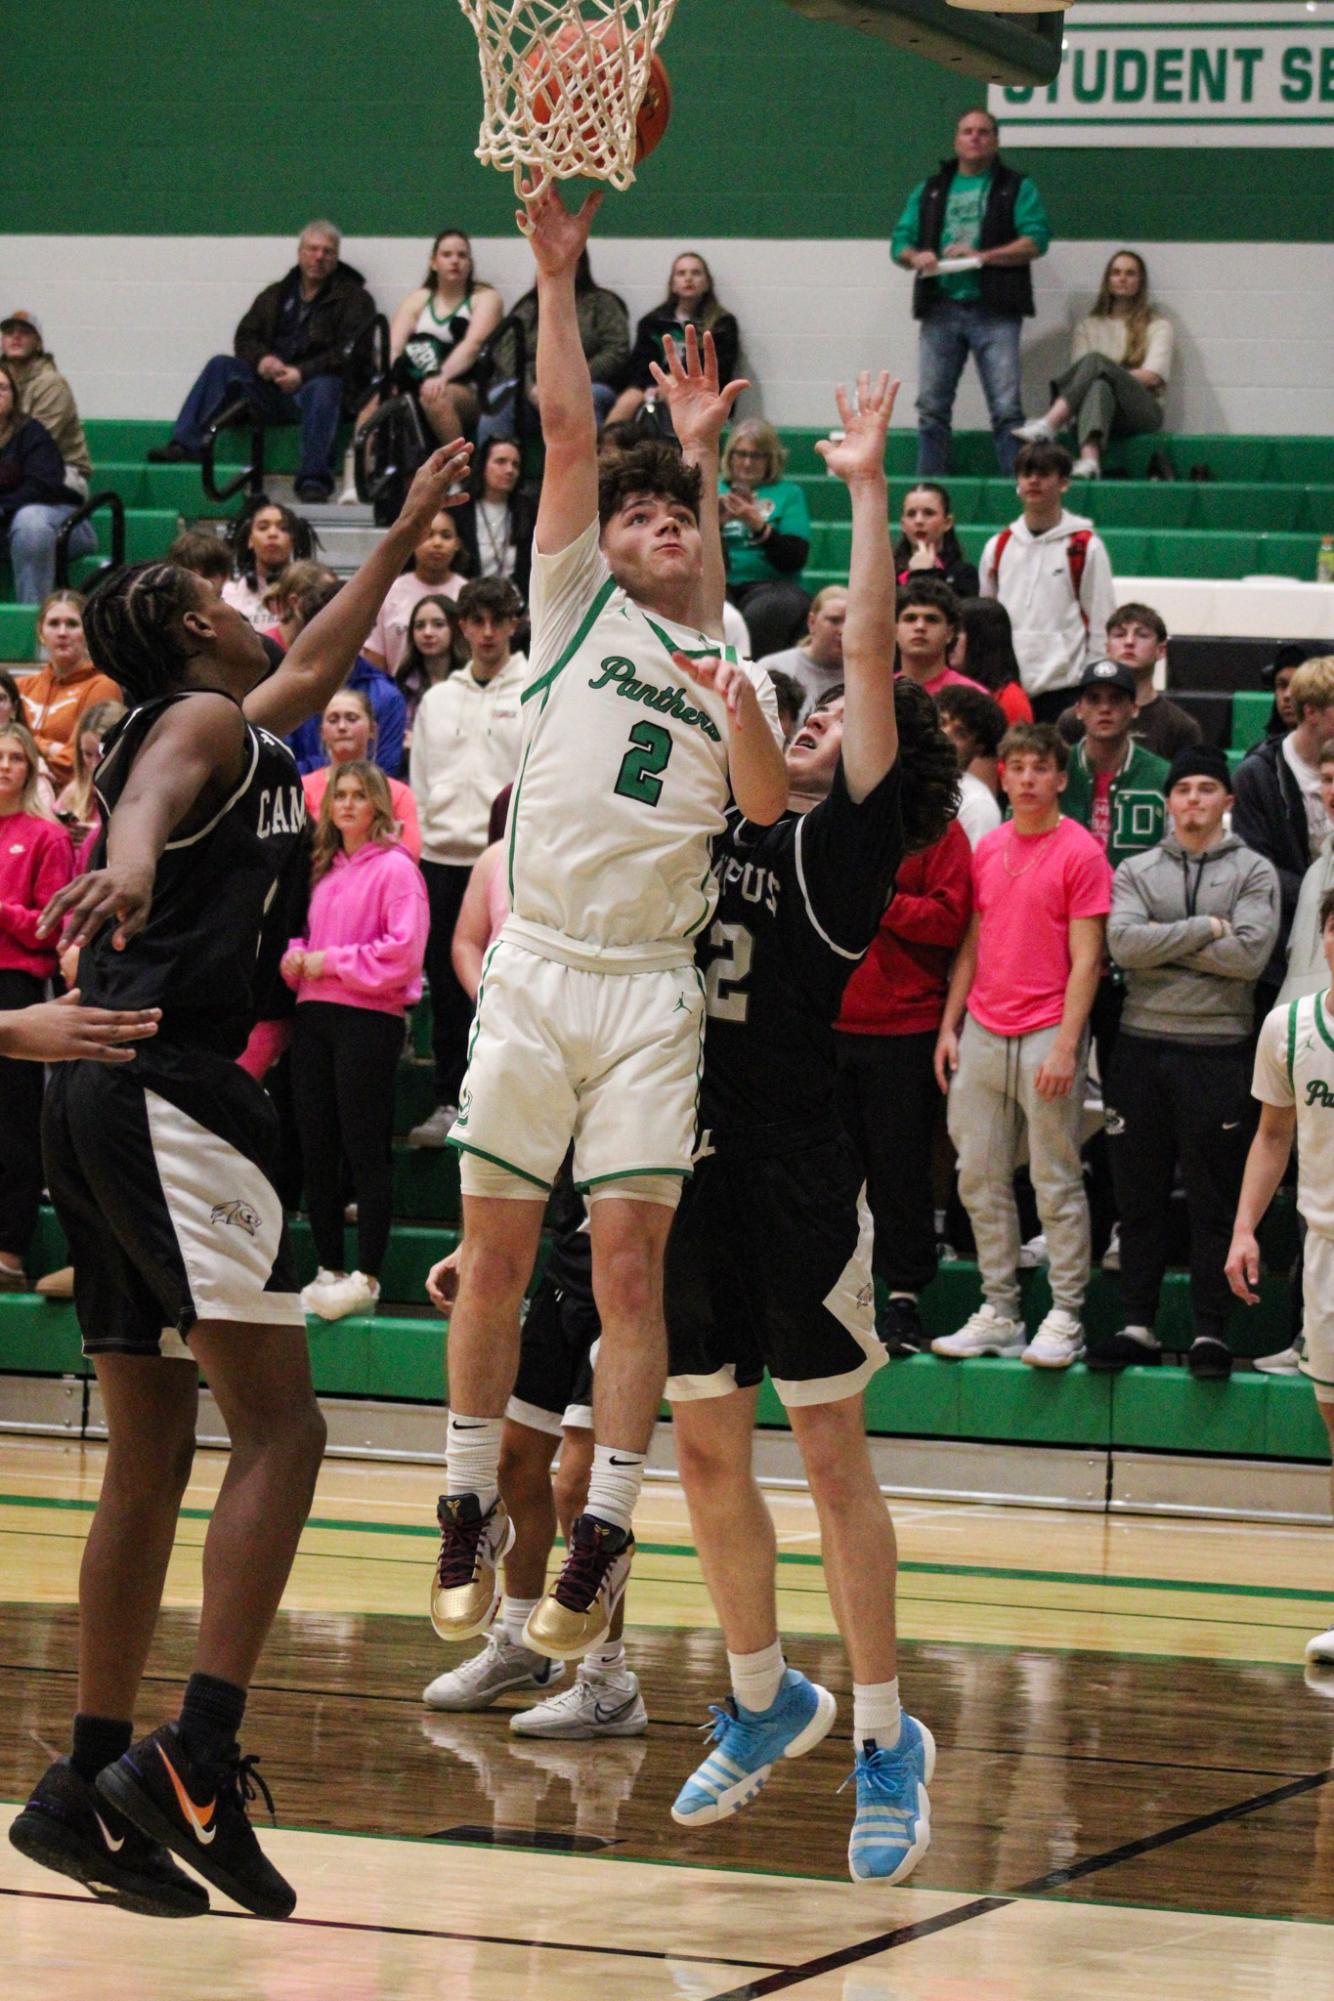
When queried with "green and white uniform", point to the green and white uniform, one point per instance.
{"points": [[589, 1017], [1294, 1066]]}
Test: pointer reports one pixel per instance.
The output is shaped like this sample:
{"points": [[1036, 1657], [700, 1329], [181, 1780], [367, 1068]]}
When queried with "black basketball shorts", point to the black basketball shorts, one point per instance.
{"points": [[554, 1386]]}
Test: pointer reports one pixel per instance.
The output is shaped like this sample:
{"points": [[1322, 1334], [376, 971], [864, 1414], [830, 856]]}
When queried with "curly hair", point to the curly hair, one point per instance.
{"points": [[651, 467], [132, 622], [984, 719], [929, 787], [303, 537]]}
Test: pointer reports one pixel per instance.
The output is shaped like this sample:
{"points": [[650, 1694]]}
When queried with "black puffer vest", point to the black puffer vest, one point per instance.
{"points": [[1005, 288]]}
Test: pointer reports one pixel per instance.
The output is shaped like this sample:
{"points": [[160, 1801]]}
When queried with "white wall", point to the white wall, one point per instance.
{"points": [[131, 318]]}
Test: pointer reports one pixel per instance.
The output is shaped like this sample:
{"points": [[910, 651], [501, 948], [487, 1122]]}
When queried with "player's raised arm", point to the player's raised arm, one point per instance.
{"points": [[700, 408], [564, 386], [870, 736]]}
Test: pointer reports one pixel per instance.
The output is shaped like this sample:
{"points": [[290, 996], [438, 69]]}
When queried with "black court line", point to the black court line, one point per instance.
{"points": [[833, 1962]]}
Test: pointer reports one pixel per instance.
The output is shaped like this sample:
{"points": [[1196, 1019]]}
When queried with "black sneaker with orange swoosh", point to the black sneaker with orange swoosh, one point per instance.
{"points": [[199, 1812], [68, 1827]]}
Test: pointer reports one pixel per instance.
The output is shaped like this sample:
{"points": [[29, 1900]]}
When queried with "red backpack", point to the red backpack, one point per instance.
{"points": [[1077, 555]]}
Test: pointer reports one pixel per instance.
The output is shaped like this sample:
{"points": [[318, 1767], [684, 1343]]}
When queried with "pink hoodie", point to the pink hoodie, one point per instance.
{"points": [[369, 917]]}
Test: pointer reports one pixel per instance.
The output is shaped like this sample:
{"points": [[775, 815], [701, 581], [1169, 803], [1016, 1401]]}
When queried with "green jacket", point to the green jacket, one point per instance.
{"points": [[1139, 808]]}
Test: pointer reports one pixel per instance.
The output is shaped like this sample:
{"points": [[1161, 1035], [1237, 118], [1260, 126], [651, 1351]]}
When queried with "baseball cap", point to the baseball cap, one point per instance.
{"points": [[1107, 674], [1292, 653], [21, 317]]}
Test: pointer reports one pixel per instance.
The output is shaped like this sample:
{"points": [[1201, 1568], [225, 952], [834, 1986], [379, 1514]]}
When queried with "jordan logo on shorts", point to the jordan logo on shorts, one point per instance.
{"points": [[240, 1213]]}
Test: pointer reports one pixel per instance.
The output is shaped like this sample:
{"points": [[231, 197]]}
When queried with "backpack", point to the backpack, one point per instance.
{"points": [[1077, 555]]}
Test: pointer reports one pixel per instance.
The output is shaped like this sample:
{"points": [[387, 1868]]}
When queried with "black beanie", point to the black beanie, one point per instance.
{"points": [[1200, 760]]}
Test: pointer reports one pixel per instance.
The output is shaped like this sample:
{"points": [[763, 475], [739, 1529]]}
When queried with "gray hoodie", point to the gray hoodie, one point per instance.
{"points": [[1182, 983]]}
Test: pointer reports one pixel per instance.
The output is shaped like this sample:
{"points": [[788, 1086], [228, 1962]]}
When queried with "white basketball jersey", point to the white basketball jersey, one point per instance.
{"points": [[1294, 1065], [622, 777]]}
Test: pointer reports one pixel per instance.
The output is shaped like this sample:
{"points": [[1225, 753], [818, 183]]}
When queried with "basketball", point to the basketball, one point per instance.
{"points": [[560, 68]]}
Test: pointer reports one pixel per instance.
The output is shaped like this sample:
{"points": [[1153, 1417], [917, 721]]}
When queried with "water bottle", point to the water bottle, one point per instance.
{"points": [[1324, 562]]}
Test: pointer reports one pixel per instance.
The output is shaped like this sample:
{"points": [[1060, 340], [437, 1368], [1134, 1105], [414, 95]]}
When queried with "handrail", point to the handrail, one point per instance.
{"points": [[251, 476], [395, 429], [85, 512]]}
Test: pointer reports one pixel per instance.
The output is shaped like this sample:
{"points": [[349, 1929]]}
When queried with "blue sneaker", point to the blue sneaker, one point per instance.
{"points": [[748, 1742], [891, 1831]]}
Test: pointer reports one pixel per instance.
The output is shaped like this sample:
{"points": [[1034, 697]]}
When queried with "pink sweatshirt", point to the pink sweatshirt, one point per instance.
{"points": [[369, 917], [36, 859]]}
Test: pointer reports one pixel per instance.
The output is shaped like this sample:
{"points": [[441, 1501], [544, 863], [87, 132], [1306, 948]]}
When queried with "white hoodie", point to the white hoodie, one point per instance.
{"points": [[1055, 635], [465, 749]]}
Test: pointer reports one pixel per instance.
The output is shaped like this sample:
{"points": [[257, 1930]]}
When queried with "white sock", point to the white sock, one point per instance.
{"points": [[757, 1678], [603, 1662], [1144, 1335], [514, 1615], [904, 1295], [876, 1713], [614, 1484], [938, 1217], [472, 1457]]}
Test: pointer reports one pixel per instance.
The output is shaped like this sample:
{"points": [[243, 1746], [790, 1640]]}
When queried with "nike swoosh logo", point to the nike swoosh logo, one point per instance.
{"points": [[199, 1821], [1230, 1125], [609, 1712], [625, 1462], [112, 1843]]}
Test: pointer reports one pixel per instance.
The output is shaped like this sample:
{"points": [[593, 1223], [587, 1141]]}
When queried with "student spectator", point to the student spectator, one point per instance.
{"points": [[295, 350], [926, 625], [928, 542], [1137, 639], [498, 524], [11, 701], [59, 693], [76, 808], [1193, 923], [690, 302], [1120, 363], [347, 731], [975, 725], [1058, 608], [291, 600], [356, 970], [1277, 674], [790, 699], [465, 747], [1307, 972], [264, 538], [35, 497], [887, 1029], [45, 394], [604, 334], [386, 703], [816, 662], [984, 645], [973, 206], [432, 650], [1114, 786], [1280, 811], [766, 528], [1025, 976], [204, 555], [36, 860], [439, 567], [437, 333]]}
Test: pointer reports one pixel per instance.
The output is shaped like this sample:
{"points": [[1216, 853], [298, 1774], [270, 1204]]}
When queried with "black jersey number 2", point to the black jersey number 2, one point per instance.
{"points": [[639, 776]]}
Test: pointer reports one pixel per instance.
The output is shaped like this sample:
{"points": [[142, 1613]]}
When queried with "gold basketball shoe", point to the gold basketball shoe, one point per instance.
{"points": [[465, 1586], [576, 1613]]}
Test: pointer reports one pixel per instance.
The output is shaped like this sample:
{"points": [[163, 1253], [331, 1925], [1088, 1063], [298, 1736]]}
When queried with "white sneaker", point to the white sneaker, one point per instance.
{"points": [[1058, 1342], [592, 1706], [1111, 1257], [1036, 431], [985, 1332], [341, 1296], [1321, 1648], [435, 1130], [1287, 1362], [1086, 467], [500, 1665], [321, 1282], [1033, 1253]]}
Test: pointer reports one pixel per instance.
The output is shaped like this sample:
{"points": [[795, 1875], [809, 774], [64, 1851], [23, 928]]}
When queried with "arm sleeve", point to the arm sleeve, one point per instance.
{"points": [[396, 955], [1088, 882], [1159, 347], [940, 914], [1097, 593], [727, 343], [391, 722], [254, 333], [564, 586], [354, 315], [987, 580], [1080, 345], [790, 543], [405, 806], [1030, 217], [1138, 941], [607, 348], [1250, 823], [1270, 1082], [54, 869], [905, 229], [41, 470], [1244, 952]]}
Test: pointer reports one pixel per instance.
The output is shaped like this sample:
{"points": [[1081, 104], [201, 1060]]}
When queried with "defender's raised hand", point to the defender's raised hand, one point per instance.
{"points": [[860, 452], [691, 392]]}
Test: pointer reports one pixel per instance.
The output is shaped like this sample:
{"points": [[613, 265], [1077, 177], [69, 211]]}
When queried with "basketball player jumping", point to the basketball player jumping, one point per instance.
{"points": [[590, 1015], [159, 1174]]}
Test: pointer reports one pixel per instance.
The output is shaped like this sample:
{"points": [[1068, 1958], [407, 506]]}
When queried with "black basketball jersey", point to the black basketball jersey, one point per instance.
{"points": [[798, 907], [217, 924]]}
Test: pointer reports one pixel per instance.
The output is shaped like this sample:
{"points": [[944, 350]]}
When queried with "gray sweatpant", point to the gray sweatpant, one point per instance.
{"points": [[1105, 400], [993, 1108]]}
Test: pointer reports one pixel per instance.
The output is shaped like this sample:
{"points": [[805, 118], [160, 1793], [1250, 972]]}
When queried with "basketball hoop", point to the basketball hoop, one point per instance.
{"points": [[564, 85]]}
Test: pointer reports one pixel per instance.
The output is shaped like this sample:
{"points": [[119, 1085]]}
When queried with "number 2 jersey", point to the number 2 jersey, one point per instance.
{"points": [[799, 904], [623, 777]]}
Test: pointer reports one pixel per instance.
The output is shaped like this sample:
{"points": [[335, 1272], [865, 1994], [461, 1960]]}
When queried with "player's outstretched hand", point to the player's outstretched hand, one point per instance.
{"points": [[860, 452], [440, 482], [690, 390], [80, 910], [61, 1031], [1243, 1266], [442, 1281], [558, 236], [726, 679]]}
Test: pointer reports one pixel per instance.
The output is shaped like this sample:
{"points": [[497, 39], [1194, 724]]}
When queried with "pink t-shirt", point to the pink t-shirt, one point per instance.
{"points": [[1026, 889], [389, 634]]}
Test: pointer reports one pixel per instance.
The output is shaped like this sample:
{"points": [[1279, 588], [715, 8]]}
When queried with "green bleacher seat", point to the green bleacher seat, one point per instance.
{"points": [[1250, 717]]}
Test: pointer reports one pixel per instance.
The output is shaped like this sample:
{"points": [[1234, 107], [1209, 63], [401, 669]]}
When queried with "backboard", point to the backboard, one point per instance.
{"points": [[994, 47]]}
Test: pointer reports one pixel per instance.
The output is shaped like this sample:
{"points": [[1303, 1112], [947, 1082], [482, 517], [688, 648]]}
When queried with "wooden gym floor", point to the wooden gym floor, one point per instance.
{"points": [[1135, 1793]]}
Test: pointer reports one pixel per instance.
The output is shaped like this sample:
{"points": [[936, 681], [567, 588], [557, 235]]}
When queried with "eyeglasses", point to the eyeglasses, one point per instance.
{"points": [[747, 452]]}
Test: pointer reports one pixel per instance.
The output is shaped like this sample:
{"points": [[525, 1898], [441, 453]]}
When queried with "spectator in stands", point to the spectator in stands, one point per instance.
{"points": [[1280, 810], [35, 497], [465, 747], [1025, 976], [604, 334], [203, 555], [766, 537], [432, 650], [816, 662], [61, 691], [76, 808], [1277, 674], [45, 394], [984, 645], [1120, 363], [291, 598], [1115, 787], [437, 333], [36, 860], [11, 701], [1137, 639], [1307, 972], [791, 700], [928, 542], [925, 629], [975, 724], [887, 1029], [264, 538], [690, 302], [347, 731], [1193, 923], [1058, 608], [356, 970], [301, 343], [439, 567], [386, 703], [973, 207], [498, 524]]}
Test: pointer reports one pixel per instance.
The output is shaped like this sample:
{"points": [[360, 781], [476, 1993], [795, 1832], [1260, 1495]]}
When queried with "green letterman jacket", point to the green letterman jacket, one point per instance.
{"points": [[1139, 808]]}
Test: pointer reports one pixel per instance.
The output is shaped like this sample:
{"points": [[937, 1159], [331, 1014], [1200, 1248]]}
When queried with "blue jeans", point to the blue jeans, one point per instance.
{"points": [[951, 331], [500, 417], [316, 406], [32, 548]]}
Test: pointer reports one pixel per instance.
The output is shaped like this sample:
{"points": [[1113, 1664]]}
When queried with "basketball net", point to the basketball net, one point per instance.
{"points": [[562, 83]]}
